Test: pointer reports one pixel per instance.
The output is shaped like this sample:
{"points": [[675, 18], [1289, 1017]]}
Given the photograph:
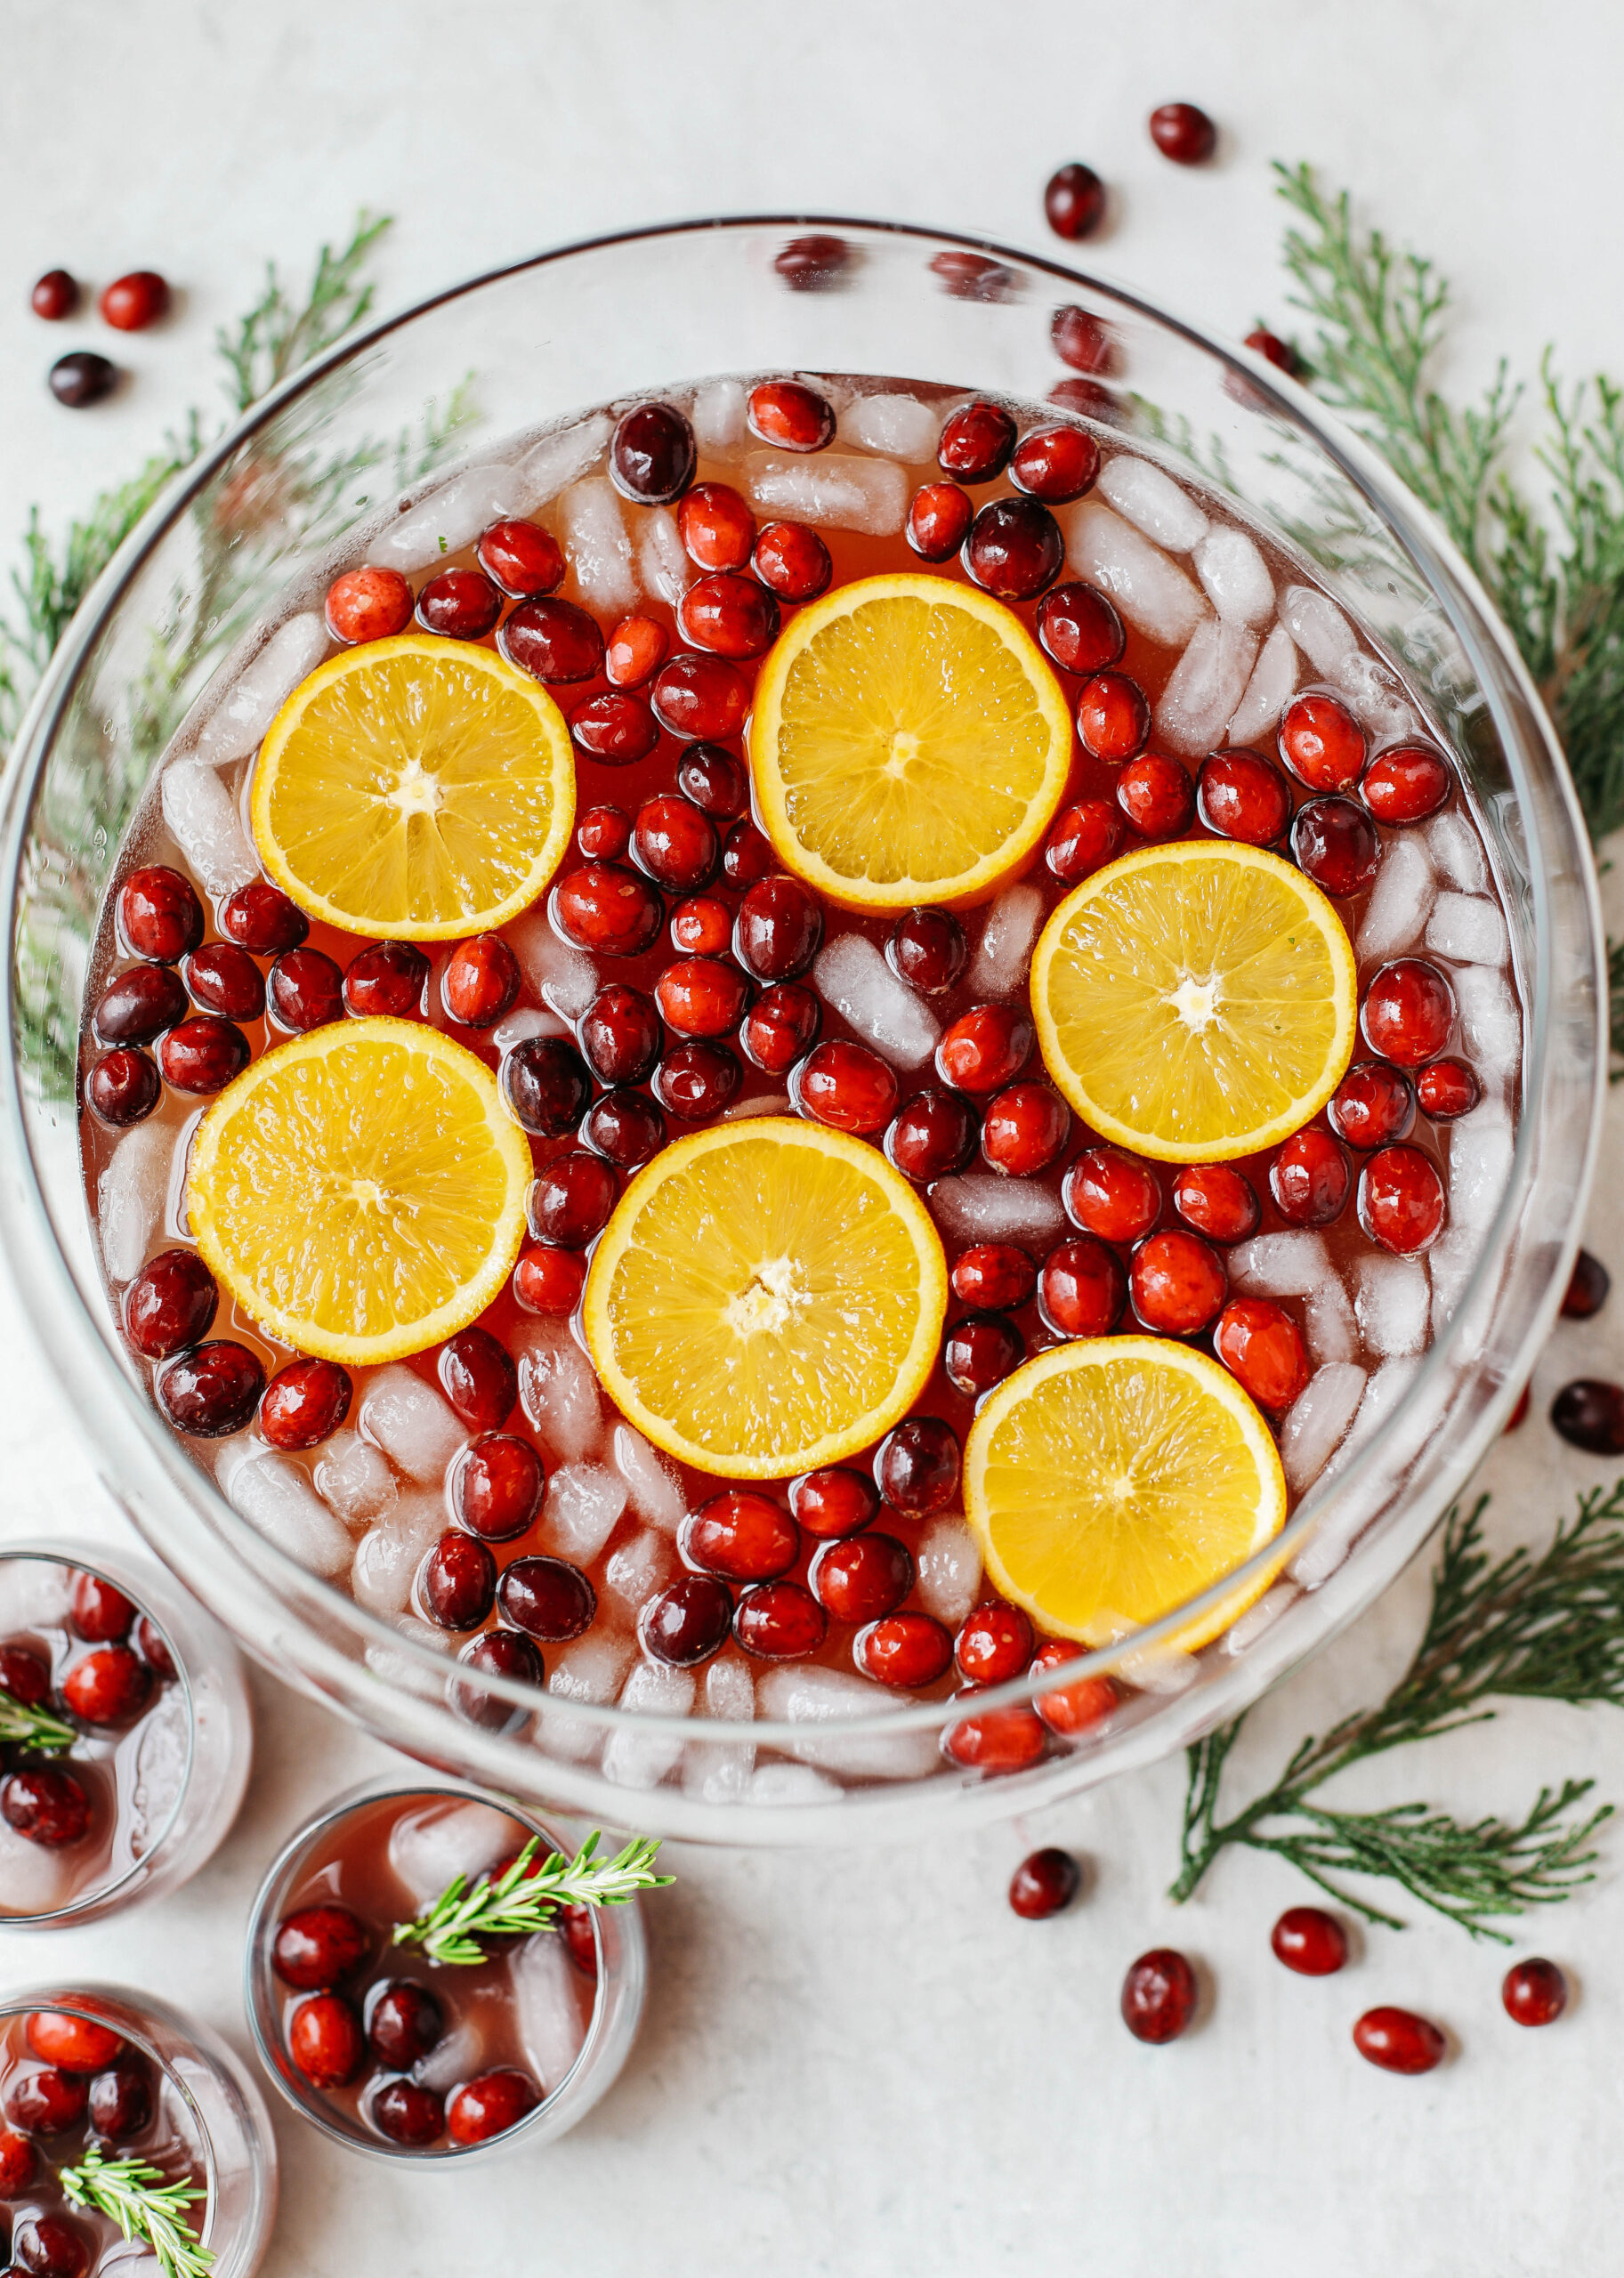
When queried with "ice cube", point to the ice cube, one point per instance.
{"points": [[653, 1486], [1467, 927], [637, 1570], [583, 1500], [1151, 591], [1490, 1021], [557, 1388], [451, 517], [1152, 502], [1159, 1669], [947, 1561], [407, 1419], [1318, 1419], [455, 2056], [1377, 696], [999, 969], [427, 1846], [1318, 626], [983, 1208], [592, 526], [203, 819], [1399, 901], [352, 1478], [553, 2006], [1452, 1260], [1456, 852], [559, 974], [1392, 1299], [34, 1879], [852, 975], [636, 1760], [277, 1497], [900, 426], [389, 1553], [525, 1021], [1269, 691], [1328, 1323], [592, 1670], [404, 1671], [717, 414], [1386, 1387], [560, 459], [782, 1785], [1245, 1633], [235, 726], [848, 493], [1280, 1265], [130, 1198], [34, 1594], [1235, 574], [1481, 1151], [716, 1771], [826, 1698], [662, 565], [730, 1689], [162, 1755], [1207, 684]]}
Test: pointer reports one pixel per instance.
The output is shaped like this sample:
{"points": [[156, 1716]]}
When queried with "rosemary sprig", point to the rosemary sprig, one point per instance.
{"points": [[520, 1899], [278, 335], [1545, 1626], [135, 2195], [34, 1729]]}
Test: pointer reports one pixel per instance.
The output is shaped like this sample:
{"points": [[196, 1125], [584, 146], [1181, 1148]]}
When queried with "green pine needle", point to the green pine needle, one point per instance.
{"points": [[522, 1899], [145, 2207], [34, 1729]]}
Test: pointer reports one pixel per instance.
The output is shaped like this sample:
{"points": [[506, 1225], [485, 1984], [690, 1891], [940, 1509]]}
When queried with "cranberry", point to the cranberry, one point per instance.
{"points": [[48, 2247], [548, 1598], [1409, 1012], [620, 1034], [728, 616], [1519, 1414], [1240, 795], [458, 1582], [1156, 795], [714, 781], [626, 1128], [122, 1088], [324, 2041], [305, 990], [701, 997], [129, 304], [1072, 1708], [554, 640], [673, 844], [1401, 1200], [601, 907], [141, 1004], [74, 2044], [500, 1652], [1159, 1996], [651, 456], [259, 918], [1079, 629], [976, 441], [1447, 1089], [1114, 720], [985, 1048], [742, 1535], [545, 1084], [790, 415], [1274, 350], [927, 949], [812, 264], [1083, 1289], [938, 520], [224, 979], [569, 1205], [934, 1135], [1321, 743], [1074, 202], [1398, 2040], [55, 296], [100, 1611], [576, 1928], [635, 651], [746, 855], [1374, 1104], [525, 560], [318, 1945], [1084, 342], [1178, 1282], [120, 2102], [701, 698], [1334, 843], [368, 604], [159, 914], [1534, 1992], [203, 1054], [1218, 1200], [1589, 1414], [994, 1275], [1024, 1129], [48, 1807], [19, 2164], [48, 2101], [154, 1650], [1014, 548], [213, 1391], [1405, 784], [696, 1081], [832, 1503], [389, 978], [480, 981], [25, 1676], [996, 1739], [408, 2113], [862, 1577], [170, 1304], [1186, 134], [1044, 1884], [847, 1086], [779, 1028], [779, 1621], [717, 527], [603, 834], [462, 604], [547, 1280], [1111, 1195], [476, 1371], [910, 1650], [994, 1644], [1055, 464], [1310, 1940], [1086, 835], [1310, 1179], [792, 562], [702, 927], [489, 2106], [1263, 1349], [1587, 1288], [971, 276], [779, 929], [615, 728], [496, 1486], [82, 378], [915, 1466]]}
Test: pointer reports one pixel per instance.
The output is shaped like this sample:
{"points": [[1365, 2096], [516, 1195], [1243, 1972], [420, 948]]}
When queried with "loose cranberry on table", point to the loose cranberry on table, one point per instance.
{"points": [[141, 1004], [324, 2041], [497, 1485], [1335, 844], [696, 1081], [552, 641], [203, 1054], [500, 1653], [318, 1945], [933, 1137], [1083, 1289], [1159, 1996], [368, 604], [260, 918], [1310, 1940], [627, 1130], [615, 727], [927, 949], [224, 979], [604, 908], [1373, 1105], [159, 914], [1587, 1288], [938, 518], [994, 1644], [170, 1305], [305, 1403], [996, 1739], [971, 276], [812, 264], [459, 1581], [701, 698], [1310, 1179], [524, 559], [129, 304], [489, 2106], [728, 616], [779, 1621], [790, 416], [1218, 1200], [832, 1503], [1519, 1414], [81, 378], [1024, 1129], [100, 1611], [1086, 835], [792, 561], [701, 997], [779, 1027], [1156, 796], [715, 781], [976, 441], [1239, 795], [212, 1391], [1079, 629], [1014, 548], [387, 979], [741, 1536], [652, 455], [304, 989], [547, 1598], [55, 296], [1263, 1349], [48, 1807], [548, 1280], [1184, 132], [476, 1370], [1447, 1089], [1082, 341], [1534, 1992], [545, 1084], [917, 1465], [1399, 2041], [1055, 464], [1589, 1414], [1074, 201], [1114, 720], [1409, 1011], [123, 1087], [907, 1649], [569, 1204], [985, 1048], [980, 1351], [603, 834], [1405, 783], [847, 1086], [779, 929], [1321, 743], [1072, 1708], [461, 604], [862, 1578], [1112, 1195], [1177, 1281], [1045, 1883], [620, 1034], [746, 855], [994, 1275]]}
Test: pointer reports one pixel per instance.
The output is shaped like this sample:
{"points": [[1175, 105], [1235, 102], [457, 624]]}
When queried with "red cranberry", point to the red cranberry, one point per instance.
{"points": [[927, 949], [170, 1304], [204, 1054], [779, 1028], [994, 1275], [524, 559], [25, 1677], [742, 1535], [728, 616], [1084, 342], [72, 2044], [19, 2164], [1405, 784], [976, 442], [701, 997], [702, 927], [480, 981], [1159, 1996], [1240, 795], [368, 605], [832, 1503], [224, 979], [1409, 1012], [1072, 1708], [1586, 1289], [812, 264], [1074, 202], [1186, 134], [153, 1650], [547, 1280], [1398, 2040], [615, 728], [604, 908], [908, 1650], [934, 1135], [1114, 720], [994, 1644], [120, 2100], [98, 1609], [476, 1371], [141, 1004], [1218, 1200], [1086, 835], [575, 1928], [554, 640], [1111, 1195], [213, 1391], [404, 2024], [847, 1086], [458, 1582], [408, 2113], [746, 855], [628, 1130], [862, 1578], [389, 978], [635, 651], [1044, 1884], [1083, 1289], [1374, 1104], [778, 929], [259, 918], [48, 1807], [1519, 1414], [1274, 350], [1263, 1349], [1156, 795], [159, 914], [1534, 1992], [1055, 464], [651, 456], [129, 304], [306, 1402], [122, 1088], [548, 1598], [701, 698], [620, 1034], [1401, 1200], [500, 1653], [324, 2041], [48, 2101], [305, 990], [792, 562], [489, 2106], [1014, 548], [48, 2247], [673, 844], [1024, 1129], [603, 834], [496, 1486], [318, 1945], [1310, 1940], [1321, 743], [1079, 629], [779, 1621], [1447, 1089], [938, 521], [567, 1205], [696, 1081], [55, 296], [714, 781], [915, 1466], [985, 1048], [1310, 1179], [1178, 1282], [1334, 843], [996, 1739], [462, 604], [716, 526], [82, 378], [790, 415], [971, 276], [1589, 1414], [545, 1084]]}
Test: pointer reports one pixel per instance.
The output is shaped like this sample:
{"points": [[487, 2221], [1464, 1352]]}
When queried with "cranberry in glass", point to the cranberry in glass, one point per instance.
{"points": [[652, 455], [847, 1086], [728, 616], [862, 1578], [1156, 796], [25, 1676], [19, 2164], [1589, 1414], [459, 1581], [1263, 1349], [55, 296], [696, 1081], [1321, 743], [224, 979], [500, 1653], [1184, 133], [746, 855], [779, 1621], [620, 1034], [1083, 1289], [635, 650], [1240, 794], [1218, 1200], [1374, 1104], [603, 834], [46, 2103], [812, 264], [1079, 629], [715, 781], [141, 1004], [1159, 1996], [1110, 1194], [1074, 202], [554, 640], [48, 2247], [702, 927], [305, 1403], [404, 2023], [1409, 1011], [1177, 1281], [318, 1945], [1310, 1940], [917, 1465], [976, 441], [1024, 1129], [120, 2102], [170, 1304], [616, 727], [547, 1280], [1014, 548], [1398, 2040], [152, 1648], [1114, 720], [625, 1127], [701, 698], [522, 558], [834, 1502], [211, 1391], [547, 1598], [82, 378], [1072, 1708], [131, 304], [1335, 844], [203, 1054], [741, 1536], [259, 918], [569, 1203], [994, 1644], [1082, 341], [1406, 783], [368, 604], [108, 1685], [716, 527], [387, 979], [324, 2041], [545, 1084], [701, 997], [575, 1928], [461, 604], [971, 276], [122, 1088], [985, 1048], [489, 2106], [1055, 464], [1401, 1200], [933, 1137], [49, 1808], [907, 1650], [792, 562], [304, 989], [1587, 1288], [996, 1739], [1310, 1179], [603, 906], [994, 1275], [159, 914], [1085, 835], [476, 1370], [496, 1486], [100, 1611], [1534, 1992], [938, 518], [927, 949], [1274, 350], [1447, 1089], [790, 415], [779, 1027], [1044, 1884]]}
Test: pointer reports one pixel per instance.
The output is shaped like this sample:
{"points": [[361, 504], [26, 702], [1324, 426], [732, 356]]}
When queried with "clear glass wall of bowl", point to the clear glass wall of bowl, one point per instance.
{"points": [[467, 382]]}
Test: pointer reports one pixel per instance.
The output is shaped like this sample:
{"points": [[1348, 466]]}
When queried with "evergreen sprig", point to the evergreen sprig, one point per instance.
{"points": [[521, 1898], [144, 2205], [279, 334], [34, 1729], [1546, 1626]]}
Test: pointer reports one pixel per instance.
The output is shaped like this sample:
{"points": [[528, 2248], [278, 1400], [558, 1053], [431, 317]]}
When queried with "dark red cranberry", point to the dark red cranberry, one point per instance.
{"points": [[994, 1644], [318, 1945], [554, 640], [389, 978], [636, 649], [652, 457], [1072, 1708], [790, 416], [1110, 1194], [1534, 1992], [1156, 796], [120, 2102], [48, 1807], [213, 1391], [305, 990], [224, 979], [1086, 835], [462, 604], [480, 981], [907, 1650], [715, 781], [746, 855], [81, 378], [404, 2024], [603, 834], [625, 1127], [48, 2101], [778, 929], [476, 1370], [500, 1653], [701, 698], [122, 1088], [141, 1004], [306, 1402], [1401, 1200], [46, 2246], [1024, 1129], [1310, 1940], [616, 727], [1447, 1089], [674, 843], [1519, 1414], [792, 562], [408, 2113], [1398, 2040], [1589, 1414], [779, 1027], [1074, 202], [971, 276], [159, 914], [742, 1535], [575, 1928], [927, 949], [547, 1598], [696, 1081], [976, 442], [687, 1622], [259, 918], [1079, 629], [812, 264], [779, 1621], [544, 1083], [368, 604], [728, 616], [1055, 464], [1240, 795], [915, 1466], [1409, 1012], [204, 1054], [702, 927], [19, 2164], [25, 1676], [1014, 548], [1334, 843], [153, 1649], [489, 2106], [1587, 1288], [170, 1304], [832, 1503], [939, 518], [1405, 784], [1044, 1884], [847, 1086], [567, 1205], [716, 526], [1186, 134], [933, 1135], [1263, 1349], [1374, 1105], [547, 1280], [55, 296], [1159, 1996], [324, 2041], [1114, 720], [1275, 351], [100, 1612], [459, 1581], [1321, 743], [1083, 1289], [985, 1048], [496, 1486], [1218, 1200], [525, 560], [1177, 1281], [862, 1577], [1082, 341], [620, 1034], [701, 997], [131, 304], [996, 1739], [1310, 1179], [996, 1275]]}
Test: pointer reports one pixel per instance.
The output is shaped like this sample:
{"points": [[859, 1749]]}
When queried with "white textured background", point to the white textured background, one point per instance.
{"points": [[865, 2063]]}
